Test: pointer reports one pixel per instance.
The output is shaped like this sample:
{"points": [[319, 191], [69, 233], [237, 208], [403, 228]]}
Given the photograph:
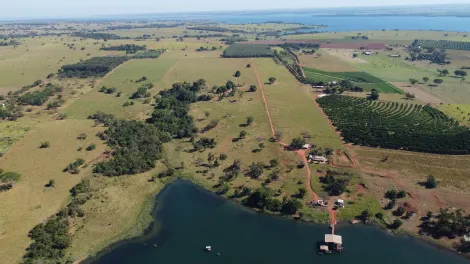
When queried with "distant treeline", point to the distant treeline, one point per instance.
{"points": [[96, 35], [217, 29], [128, 48], [149, 54], [152, 25], [9, 43], [94, 67]]}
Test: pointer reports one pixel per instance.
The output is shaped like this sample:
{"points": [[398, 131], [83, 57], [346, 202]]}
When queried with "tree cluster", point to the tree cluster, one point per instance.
{"points": [[94, 67], [262, 199], [39, 97], [171, 113], [335, 183], [136, 146]]}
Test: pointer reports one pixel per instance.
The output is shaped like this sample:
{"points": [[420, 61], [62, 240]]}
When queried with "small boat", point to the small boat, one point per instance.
{"points": [[208, 248]]}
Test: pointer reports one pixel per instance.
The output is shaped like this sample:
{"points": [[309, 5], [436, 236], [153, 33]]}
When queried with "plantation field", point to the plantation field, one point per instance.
{"points": [[248, 50], [30, 202], [287, 92], [444, 44], [396, 126]]}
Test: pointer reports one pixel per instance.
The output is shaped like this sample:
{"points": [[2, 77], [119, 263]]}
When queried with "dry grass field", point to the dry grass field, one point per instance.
{"points": [[326, 62], [30, 202]]}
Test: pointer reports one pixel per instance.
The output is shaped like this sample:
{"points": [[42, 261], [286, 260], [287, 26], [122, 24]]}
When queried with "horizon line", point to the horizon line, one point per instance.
{"points": [[303, 9]]}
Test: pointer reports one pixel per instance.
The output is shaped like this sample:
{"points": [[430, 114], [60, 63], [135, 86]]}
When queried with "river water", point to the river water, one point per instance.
{"points": [[190, 218]]}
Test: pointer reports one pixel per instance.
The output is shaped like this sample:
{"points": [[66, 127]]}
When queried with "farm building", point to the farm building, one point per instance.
{"points": [[306, 146], [333, 83], [318, 159], [367, 53], [394, 55]]}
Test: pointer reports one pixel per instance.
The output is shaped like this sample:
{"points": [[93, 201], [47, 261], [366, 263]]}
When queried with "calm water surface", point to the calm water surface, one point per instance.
{"points": [[340, 23], [190, 218]]}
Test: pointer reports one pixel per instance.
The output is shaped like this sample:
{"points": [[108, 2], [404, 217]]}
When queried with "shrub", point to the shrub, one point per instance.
{"points": [[253, 88], [45, 144], [431, 182], [91, 147]]}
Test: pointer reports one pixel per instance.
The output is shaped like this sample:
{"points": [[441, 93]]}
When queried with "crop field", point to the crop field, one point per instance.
{"points": [[396, 126], [361, 79], [444, 44], [247, 51], [30, 202]]}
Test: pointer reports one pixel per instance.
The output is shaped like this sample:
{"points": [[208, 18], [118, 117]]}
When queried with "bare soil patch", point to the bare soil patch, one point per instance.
{"points": [[345, 54]]}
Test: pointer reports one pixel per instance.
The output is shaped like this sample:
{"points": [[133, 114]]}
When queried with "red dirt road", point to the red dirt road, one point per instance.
{"points": [[301, 153]]}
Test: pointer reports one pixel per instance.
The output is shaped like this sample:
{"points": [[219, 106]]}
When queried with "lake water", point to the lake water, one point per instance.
{"points": [[337, 23], [190, 218]]}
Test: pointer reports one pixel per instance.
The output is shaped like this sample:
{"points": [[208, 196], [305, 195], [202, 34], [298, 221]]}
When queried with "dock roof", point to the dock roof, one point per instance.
{"points": [[329, 238]]}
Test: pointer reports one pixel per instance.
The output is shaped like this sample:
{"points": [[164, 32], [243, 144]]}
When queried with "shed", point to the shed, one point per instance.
{"points": [[335, 239]]}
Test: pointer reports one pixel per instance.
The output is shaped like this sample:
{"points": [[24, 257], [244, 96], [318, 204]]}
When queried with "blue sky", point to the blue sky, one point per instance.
{"points": [[80, 8]]}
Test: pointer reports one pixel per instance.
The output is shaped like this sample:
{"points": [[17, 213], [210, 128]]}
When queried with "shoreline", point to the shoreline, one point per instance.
{"points": [[151, 228]]}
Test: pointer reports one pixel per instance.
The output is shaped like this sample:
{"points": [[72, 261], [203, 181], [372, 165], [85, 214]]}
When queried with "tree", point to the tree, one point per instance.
{"points": [[223, 156], [301, 193], [274, 163], [255, 170], [242, 134], [374, 95], [248, 65], [51, 183], [291, 206], [365, 215], [413, 81], [298, 143], [253, 88], [355, 55], [410, 96], [460, 73], [444, 72], [430, 182], [400, 211], [425, 79], [45, 144], [261, 146], [91, 147], [230, 85], [237, 74], [249, 120], [396, 224], [278, 135], [272, 80], [438, 81]]}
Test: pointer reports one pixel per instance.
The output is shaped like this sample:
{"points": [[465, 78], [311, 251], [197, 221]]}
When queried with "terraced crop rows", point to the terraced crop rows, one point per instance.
{"points": [[396, 125], [443, 44]]}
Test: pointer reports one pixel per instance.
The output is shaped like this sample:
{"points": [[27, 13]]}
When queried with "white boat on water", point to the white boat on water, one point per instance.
{"points": [[208, 248]]}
